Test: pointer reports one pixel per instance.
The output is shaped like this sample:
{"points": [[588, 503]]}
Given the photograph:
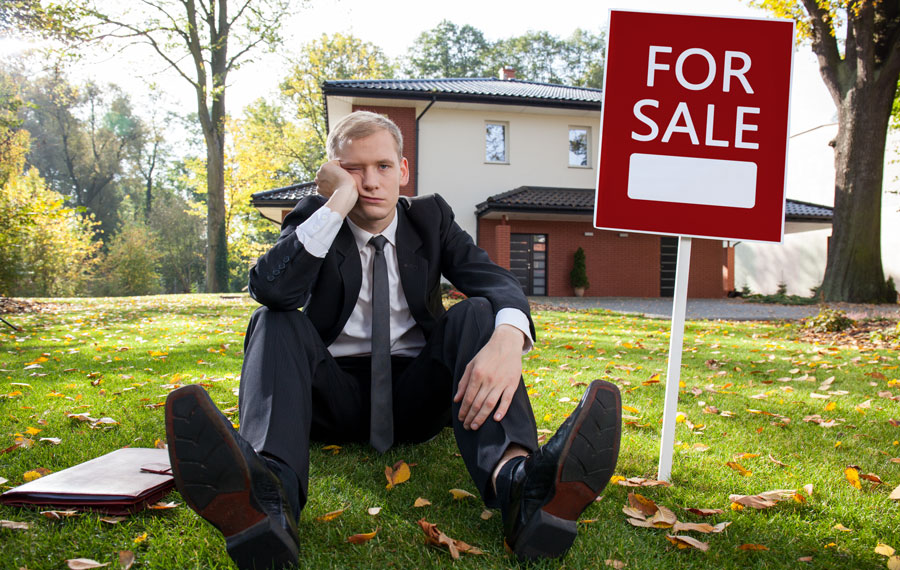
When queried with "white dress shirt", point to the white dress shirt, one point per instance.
{"points": [[317, 234]]}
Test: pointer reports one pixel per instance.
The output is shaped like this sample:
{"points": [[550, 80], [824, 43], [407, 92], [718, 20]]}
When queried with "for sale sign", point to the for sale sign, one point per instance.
{"points": [[695, 126]]}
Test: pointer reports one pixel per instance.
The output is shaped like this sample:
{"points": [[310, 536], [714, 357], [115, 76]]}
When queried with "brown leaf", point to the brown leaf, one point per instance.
{"points": [[633, 512], [112, 520], [895, 494], [617, 564], [15, 525], [754, 501], [642, 523], [705, 512], [805, 559], [84, 564], [893, 563], [486, 514], [435, 537], [642, 504], [361, 538], [752, 547], [871, 477], [56, 515], [739, 468], [664, 518], [705, 528], [126, 559], [396, 475], [776, 462], [420, 502], [687, 542], [330, 516]]}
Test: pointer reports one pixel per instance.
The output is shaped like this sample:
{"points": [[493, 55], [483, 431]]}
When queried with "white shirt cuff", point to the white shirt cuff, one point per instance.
{"points": [[516, 318], [317, 233]]}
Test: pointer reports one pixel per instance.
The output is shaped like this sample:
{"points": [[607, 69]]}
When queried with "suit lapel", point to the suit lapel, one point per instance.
{"points": [[351, 273], [413, 268]]}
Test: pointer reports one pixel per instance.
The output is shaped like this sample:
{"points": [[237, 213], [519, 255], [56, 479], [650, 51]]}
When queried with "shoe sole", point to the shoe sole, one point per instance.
{"points": [[587, 462], [214, 480]]}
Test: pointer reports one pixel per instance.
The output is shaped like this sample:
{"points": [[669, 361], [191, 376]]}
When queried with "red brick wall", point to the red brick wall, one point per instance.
{"points": [[405, 117], [617, 266], [501, 245]]}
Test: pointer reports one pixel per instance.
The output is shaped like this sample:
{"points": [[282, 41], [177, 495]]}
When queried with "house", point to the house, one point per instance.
{"points": [[517, 162]]}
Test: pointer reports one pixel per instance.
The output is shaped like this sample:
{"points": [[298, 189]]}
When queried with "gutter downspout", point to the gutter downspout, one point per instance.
{"points": [[422, 114]]}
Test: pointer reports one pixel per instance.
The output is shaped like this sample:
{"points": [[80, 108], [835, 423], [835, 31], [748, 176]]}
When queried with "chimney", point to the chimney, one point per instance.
{"points": [[507, 73]]}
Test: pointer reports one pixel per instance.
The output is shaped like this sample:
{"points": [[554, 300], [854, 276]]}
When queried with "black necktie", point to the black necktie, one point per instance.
{"points": [[381, 434]]}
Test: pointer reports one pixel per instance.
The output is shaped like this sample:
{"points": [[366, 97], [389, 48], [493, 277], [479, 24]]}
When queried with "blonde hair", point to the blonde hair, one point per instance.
{"points": [[361, 124]]}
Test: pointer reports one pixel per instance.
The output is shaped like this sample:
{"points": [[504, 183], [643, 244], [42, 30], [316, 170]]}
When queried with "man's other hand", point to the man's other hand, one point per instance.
{"points": [[491, 377], [338, 186]]}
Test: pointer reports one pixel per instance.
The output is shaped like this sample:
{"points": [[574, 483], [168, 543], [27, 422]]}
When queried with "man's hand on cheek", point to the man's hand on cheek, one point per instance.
{"points": [[338, 186], [491, 377]]}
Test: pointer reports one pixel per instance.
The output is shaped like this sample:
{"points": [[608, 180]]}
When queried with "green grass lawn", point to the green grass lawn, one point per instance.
{"points": [[747, 388]]}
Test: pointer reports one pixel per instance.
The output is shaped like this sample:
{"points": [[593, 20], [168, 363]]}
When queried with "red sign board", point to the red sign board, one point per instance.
{"points": [[695, 126]]}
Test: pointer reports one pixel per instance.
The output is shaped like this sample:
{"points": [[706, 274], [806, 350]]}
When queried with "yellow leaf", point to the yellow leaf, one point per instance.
{"points": [[837, 444], [679, 418], [737, 507], [740, 469], [830, 406], [334, 449], [884, 550], [630, 409], [420, 502], [330, 516], [36, 474], [893, 563], [32, 431], [841, 527], [361, 538], [852, 476], [399, 474], [752, 547], [614, 480], [460, 494], [140, 538]]}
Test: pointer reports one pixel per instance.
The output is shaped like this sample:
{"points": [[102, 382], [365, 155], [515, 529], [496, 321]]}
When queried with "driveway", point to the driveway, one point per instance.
{"points": [[725, 309]]}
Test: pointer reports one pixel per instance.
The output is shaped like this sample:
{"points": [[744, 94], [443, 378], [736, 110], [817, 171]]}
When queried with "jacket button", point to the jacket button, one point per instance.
{"points": [[285, 259], [270, 278], [281, 266], [276, 273]]}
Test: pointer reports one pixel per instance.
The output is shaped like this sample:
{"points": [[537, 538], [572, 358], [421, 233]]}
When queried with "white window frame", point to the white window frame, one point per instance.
{"points": [[589, 148], [505, 125]]}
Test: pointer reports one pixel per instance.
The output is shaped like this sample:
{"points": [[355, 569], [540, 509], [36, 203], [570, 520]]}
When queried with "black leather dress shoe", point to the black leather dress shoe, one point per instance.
{"points": [[543, 495], [226, 482]]}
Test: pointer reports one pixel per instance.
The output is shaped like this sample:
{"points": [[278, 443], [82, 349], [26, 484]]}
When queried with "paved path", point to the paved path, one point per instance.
{"points": [[726, 309]]}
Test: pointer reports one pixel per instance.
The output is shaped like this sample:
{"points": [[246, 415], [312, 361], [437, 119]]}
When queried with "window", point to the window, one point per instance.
{"points": [[495, 149], [579, 147]]}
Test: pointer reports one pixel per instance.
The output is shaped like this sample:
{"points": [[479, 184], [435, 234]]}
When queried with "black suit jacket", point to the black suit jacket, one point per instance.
{"points": [[429, 243]]}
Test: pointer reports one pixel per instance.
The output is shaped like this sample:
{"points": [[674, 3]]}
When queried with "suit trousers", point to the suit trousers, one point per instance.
{"points": [[293, 391]]}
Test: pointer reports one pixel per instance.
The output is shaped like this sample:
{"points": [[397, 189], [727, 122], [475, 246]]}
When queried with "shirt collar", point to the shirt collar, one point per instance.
{"points": [[362, 236]]}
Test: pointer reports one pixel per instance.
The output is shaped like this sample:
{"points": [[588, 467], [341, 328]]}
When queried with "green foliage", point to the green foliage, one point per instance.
{"points": [[828, 320], [448, 50], [180, 243], [578, 276], [39, 19], [131, 266], [46, 248]]}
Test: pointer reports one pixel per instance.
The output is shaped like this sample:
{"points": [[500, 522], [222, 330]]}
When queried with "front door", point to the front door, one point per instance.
{"points": [[528, 262]]}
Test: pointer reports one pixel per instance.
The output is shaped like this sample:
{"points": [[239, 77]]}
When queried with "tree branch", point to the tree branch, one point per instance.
{"points": [[824, 45]]}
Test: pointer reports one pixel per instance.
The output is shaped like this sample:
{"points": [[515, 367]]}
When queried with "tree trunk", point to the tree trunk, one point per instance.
{"points": [[217, 256], [854, 271]]}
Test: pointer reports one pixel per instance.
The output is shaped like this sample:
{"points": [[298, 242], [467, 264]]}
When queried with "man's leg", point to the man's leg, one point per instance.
{"points": [[542, 492], [252, 485]]}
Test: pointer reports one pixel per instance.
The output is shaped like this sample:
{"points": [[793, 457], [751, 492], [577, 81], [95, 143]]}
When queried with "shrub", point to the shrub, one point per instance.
{"points": [[828, 320], [578, 276], [132, 262]]}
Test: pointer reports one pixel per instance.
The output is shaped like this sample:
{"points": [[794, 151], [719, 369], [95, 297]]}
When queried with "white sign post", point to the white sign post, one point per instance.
{"points": [[693, 143]]}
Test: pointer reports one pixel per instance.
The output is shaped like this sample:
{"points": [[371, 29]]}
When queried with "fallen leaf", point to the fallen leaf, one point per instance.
{"points": [[373, 510], [687, 542], [642, 504], [752, 547], [705, 512], [852, 476], [805, 559], [893, 563], [884, 549], [435, 537], [486, 514], [776, 462], [56, 515], [140, 538], [84, 564], [459, 494], [842, 528], [334, 449], [420, 502], [362, 538], [642, 523], [126, 559], [809, 489], [15, 525], [705, 528], [739, 468], [618, 564], [871, 477], [330, 516], [112, 520], [633, 513], [396, 475], [36, 474], [895, 494], [53, 440], [664, 518]]}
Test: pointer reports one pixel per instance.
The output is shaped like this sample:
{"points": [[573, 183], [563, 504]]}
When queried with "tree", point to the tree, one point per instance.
{"points": [[84, 136], [857, 43], [330, 57], [132, 262], [179, 242], [203, 42], [448, 50], [34, 18]]}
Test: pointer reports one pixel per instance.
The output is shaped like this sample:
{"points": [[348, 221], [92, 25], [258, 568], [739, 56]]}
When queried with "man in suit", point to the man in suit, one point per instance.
{"points": [[373, 356]]}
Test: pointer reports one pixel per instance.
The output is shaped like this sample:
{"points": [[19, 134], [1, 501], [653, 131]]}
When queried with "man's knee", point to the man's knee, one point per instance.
{"points": [[265, 321], [477, 308]]}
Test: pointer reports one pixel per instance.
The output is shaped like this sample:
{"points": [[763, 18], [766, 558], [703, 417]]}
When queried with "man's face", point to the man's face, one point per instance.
{"points": [[379, 173]]}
